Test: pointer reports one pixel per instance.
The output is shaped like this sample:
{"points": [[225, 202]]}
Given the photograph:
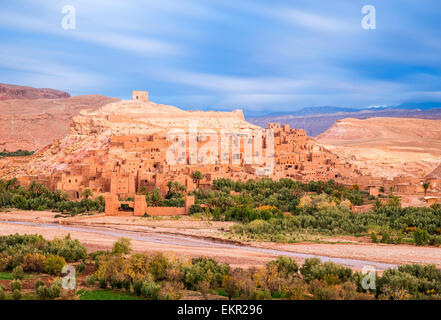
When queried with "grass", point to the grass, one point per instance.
{"points": [[8, 276], [105, 294]]}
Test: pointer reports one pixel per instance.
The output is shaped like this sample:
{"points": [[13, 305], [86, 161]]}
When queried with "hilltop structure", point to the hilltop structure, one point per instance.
{"points": [[134, 145]]}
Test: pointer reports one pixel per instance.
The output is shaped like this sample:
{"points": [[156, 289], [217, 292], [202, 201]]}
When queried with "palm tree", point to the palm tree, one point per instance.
{"points": [[197, 177], [392, 189], [156, 199], [12, 184], [426, 186], [87, 193]]}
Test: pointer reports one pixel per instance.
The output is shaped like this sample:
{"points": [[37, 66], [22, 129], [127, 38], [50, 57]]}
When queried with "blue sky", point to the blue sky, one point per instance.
{"points": [[261, 56]]}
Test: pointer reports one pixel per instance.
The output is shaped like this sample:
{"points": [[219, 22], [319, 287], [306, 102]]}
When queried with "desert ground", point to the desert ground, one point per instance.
{"points": [[386, 147], [186, 237]]}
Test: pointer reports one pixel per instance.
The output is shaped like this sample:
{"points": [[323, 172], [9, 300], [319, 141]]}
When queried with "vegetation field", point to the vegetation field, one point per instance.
{"points": [[105, 294], [120, 275]]}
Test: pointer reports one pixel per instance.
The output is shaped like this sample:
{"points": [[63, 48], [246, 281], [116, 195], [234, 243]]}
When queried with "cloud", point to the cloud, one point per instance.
{"points": [[39, 68], [228, 53]]}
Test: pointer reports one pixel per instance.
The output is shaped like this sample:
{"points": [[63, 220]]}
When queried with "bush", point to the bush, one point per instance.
{"points": [[159, 266], [122, 246], [2, 294], [171, 291], [18, 273], [420, 237], [90, 281], [52, 292], [79, 269], [413, 279], [321, 291], [38, 283], [285, 266], [33, 262], [67, 248], [102, 283], [195, 208], [54, 265], [204, 269], [16, 294], [330, 272], [150, 290], [16, 285]]}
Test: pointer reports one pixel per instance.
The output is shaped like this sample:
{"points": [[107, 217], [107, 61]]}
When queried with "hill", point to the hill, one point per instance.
{"points": [[387, 146], [32, 118], [318, 119], [11, 91]]}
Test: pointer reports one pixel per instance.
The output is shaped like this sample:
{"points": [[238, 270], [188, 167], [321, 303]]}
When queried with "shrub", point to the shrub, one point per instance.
{"points": [[420, 237], [90, 281], [2, 294], [122, 246], [414, 279], [33, 262], [54, 265], [102, 283], [321, 291], [285, 266], [159, 266], [5, 260], [231, 286], [38, 283], [435, 241], [332, 273], [79, 269], [18, 273], [171, 291], [52, 292], [16, 294], [202, 269], [195, 208], [150, 290], [16, 285], [67, 248]]}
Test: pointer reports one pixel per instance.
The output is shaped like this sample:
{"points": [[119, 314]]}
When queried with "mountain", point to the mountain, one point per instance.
{"points": [[317, 120], [11, 91], [387, 147], [32, 118], [419, 105]]}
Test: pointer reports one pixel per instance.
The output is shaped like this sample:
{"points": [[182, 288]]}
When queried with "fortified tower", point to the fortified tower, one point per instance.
{"points": [[140, 96]]}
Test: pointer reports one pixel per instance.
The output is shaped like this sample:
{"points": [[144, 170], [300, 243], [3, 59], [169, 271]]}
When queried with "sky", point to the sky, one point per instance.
{"points": [[260, 56]]}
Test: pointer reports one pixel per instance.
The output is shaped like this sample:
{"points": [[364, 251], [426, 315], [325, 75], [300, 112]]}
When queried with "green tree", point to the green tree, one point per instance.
{"points": [[87, 193], [122, 246], [197, 176], [426, 186]]}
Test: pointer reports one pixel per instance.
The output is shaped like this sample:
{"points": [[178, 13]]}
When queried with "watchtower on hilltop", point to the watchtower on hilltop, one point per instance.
{"points": [[140, 96]]}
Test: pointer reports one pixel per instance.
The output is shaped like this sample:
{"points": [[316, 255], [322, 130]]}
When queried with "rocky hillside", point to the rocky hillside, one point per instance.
{"points": [[32, 118], [92, 130], [10, 91], [387, 146]]}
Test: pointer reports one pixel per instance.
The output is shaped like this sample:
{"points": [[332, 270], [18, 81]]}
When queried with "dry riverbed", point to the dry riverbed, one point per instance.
{"points": [[187, 237]]}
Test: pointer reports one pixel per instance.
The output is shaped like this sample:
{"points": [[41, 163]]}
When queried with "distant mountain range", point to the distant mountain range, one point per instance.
{"points": [[316, 120]]}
